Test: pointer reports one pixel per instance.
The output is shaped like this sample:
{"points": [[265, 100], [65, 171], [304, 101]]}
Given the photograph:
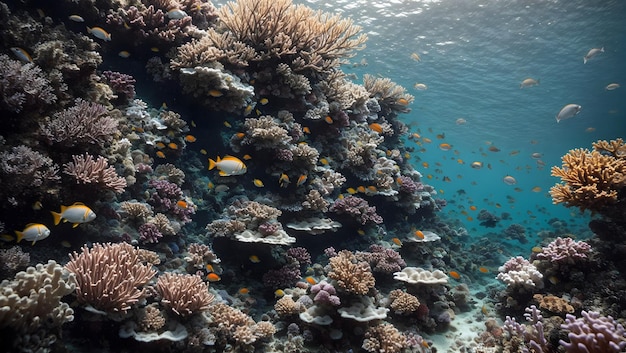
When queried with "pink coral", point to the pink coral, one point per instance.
{"points": [[382, 259], [122, 84], [85, 170], [565, 250], [23, 86], [149, 233]]}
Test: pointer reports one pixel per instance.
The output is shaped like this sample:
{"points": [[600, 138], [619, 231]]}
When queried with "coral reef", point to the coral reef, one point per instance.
{"points": [[184, 294]]}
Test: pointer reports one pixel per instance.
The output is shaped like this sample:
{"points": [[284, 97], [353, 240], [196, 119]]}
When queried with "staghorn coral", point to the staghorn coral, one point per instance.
{"points": [[295, 34], [565, 251], [85, 170], [83, 124], [123, 85], [593, 333], [384, 338], [23, 86], [110, 277], [590, 179], [350, 274], [184, 294], [389, 94]]}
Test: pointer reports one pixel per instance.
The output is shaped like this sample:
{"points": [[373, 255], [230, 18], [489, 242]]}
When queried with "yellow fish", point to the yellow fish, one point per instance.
{"points": [[263, 101], [99, 33], [283, 180], [77, 213], [33, 232], [228, 166], [258, 183], [254, 259]]}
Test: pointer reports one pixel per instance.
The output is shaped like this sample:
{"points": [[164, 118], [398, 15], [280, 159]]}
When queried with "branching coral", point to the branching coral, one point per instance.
{"points": [[350, 274], [83, 124], [87, 170], [593, 333], [384, 338], [184, 294], [590, 179], [24, 170], [23, 86], [110, 277], [565, 251]]}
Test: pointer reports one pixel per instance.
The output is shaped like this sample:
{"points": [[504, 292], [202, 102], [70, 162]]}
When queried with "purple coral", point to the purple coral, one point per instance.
{"points": [[593, 333], [149, 233], [565, 250], [407, 185], [23, 85], [285, 276], [83, 124], [122, 84], [269, 228], [301, 255], [165, 198], [357, 208], [325, 293], [382, 259]]}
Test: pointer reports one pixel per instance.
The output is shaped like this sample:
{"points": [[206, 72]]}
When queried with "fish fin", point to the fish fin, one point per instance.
{"points": [[57, 217], [212, 163], [602, 49], [34, 241], [75, 225], [20, 235], [223, 173], [77, 203], [584, 60]]}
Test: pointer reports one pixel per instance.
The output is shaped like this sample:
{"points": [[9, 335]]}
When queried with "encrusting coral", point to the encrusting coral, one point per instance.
{"points": [[591, 180]]}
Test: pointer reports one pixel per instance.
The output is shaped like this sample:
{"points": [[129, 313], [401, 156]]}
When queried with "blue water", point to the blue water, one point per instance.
{"points": [[474, 55]]}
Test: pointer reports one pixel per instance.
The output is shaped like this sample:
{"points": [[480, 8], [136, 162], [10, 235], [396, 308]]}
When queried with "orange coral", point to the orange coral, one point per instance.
{"points": [[591, 179]]}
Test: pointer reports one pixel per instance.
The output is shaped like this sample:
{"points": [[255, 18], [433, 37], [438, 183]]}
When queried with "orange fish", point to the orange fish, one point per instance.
{"points": [[240, 135], [470, 218], [244, 291], [403, 101], [419, 234], [454, 274], [182, 204], [328, 119], [483, 269], [472, 207], [376, 127], [310, 280], [306, 130], [190, 138], [172, 145], [160, 154], [247, 157], [396, 241], [213, 277], [215, 93], [445, 146], [301, 180]]}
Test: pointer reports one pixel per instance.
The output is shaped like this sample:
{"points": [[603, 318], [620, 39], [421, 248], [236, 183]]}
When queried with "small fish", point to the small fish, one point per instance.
{"points": [[419, 234], [420, 86], [360, 231], [209, 268], [279, 293], [416, 57], [66, 244], [494, 149], [310, 280], [454, 274], [306, 130], [592, 52], [396, 241], [361, 189], [37, 205], [328, 119], [263, 101], [351, 191], [243, 291], [477, 165], [193, 123], [301, 179], [33, 232], [473, 208], [228, 166], [77, 213], [460, 121], [283, 180], [536, 155], [324, 161], [160, 154], [376, 127], [258, 183], [403, 101], [553, 279], [99, 33], [221, 188], [247, 157], [76, 18], [203, 151], [21, 54], [172, 145], [7, 237], [227, 124], [154, 49], [483, 269], [568, 111], [213, 277], [536, 189], [210, 185], [254, 259], [190, 138], [445, 146], [612, 86], [529, 82], [215, 93], [176, 14], [182, 204], [248, 110], [509, 180], [124, 54]]}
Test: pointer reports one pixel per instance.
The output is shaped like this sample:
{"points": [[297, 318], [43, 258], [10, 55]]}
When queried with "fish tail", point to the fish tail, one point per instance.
{"points": [[584, 59], [57, 217], [211, 164], [88, 29], [20, 235]]}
